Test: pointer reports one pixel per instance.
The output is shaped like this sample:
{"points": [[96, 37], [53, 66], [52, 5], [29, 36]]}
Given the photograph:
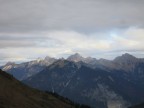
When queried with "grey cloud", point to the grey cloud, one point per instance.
{"points": [[22, 37], [27, 40], [22, 23], [36, 15], [9, 43]]}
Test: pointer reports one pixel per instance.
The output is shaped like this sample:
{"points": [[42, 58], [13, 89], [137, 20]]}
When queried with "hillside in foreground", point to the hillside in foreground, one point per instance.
{"points": [[14, 94]]}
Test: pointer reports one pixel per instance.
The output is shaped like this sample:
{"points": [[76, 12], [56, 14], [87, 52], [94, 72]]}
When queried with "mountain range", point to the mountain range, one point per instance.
{"points": [[27, 69], [100, 83]]}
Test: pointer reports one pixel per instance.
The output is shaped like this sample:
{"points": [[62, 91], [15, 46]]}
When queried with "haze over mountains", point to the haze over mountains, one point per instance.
{"points": [[99, 83]]}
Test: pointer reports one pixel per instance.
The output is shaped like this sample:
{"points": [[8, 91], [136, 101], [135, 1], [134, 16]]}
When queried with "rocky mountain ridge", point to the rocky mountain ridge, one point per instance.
{"points": [[93, 86], [89, 80], [24, 70]]}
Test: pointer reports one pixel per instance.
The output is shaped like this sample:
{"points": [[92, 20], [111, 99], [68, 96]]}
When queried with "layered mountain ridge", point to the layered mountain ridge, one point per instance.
{"points": [[99, 83], [95, 87], [27, 69]]}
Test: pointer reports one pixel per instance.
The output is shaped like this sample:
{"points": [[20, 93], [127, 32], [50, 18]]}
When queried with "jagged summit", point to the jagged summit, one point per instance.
{"points": [[26, 69], [48, 58], [125, 58], [8, 66], [128, 55], [10, 63], [75, 57]]}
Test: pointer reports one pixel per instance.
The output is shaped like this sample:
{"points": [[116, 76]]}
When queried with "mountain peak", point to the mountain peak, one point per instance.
{"points": [[47, 58], [77, 54], [75, 57], [10, 63], [125, 58], [8, 66], [127, 55]]}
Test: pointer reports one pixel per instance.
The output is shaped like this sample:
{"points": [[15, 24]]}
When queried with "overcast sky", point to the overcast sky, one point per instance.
{"points": [[99, 28]]}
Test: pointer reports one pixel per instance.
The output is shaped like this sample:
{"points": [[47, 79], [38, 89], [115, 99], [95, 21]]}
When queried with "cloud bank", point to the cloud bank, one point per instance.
{"points": [[103, 29], [83, 15]]}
